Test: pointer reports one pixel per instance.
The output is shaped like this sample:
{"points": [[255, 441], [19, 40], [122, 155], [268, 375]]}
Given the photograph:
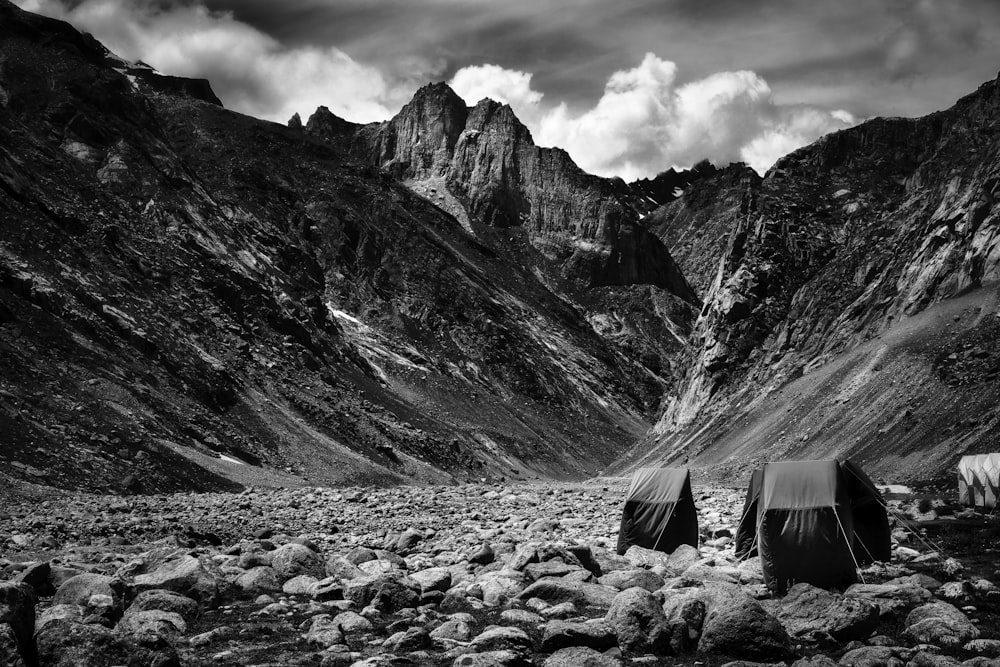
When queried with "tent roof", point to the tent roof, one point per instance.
{"points": [[800, 484], [657, 485]]}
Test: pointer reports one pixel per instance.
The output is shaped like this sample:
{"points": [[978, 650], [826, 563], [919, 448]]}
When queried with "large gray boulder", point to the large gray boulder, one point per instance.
{"points": [[581, 656], [66, 643], [737, 625], [811, 613], [562, 634], [555, 590], [940, 623], [186, 575], [165, 601], [290, 560], [636, 616]]}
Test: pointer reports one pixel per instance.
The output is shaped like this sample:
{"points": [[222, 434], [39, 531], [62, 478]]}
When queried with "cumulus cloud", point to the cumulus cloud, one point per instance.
{"points": [[249, 70], [645, 122]]}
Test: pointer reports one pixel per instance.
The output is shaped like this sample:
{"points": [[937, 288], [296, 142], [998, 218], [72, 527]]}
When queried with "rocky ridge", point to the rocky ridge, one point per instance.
{"points": [[191, 298], [874, 248]]}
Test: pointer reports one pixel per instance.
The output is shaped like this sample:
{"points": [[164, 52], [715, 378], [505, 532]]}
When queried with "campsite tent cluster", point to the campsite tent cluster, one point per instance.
{"points": [[810, 521]]}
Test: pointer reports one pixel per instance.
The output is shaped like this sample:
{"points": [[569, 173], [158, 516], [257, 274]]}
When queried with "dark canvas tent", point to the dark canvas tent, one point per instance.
{"points": [[814, 522], [979, 480], [659, 511]]}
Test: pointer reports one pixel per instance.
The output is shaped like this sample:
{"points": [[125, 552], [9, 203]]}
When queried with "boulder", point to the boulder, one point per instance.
{"points": [[351, 622], [10, 653], [433, 579], [165, 601], [581, 656], [186, 575], [303, 584], [811, 613], [499, 638], [562, 634], [637, 618], [66, 643], [685, 612], [391, 592], [501, 585], [873, 656], [258, 580], [501, 658], [889, 598], [636, 578], [737, 625], [80, 589], [17, 610], [290, 560], [323, 631], [637, 556], [941, 624], [582, 594], [166, 624], [38, 576], [454, 629]]}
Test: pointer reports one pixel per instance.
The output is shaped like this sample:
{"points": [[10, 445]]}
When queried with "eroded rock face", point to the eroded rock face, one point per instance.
{"points": [[846, 260]]}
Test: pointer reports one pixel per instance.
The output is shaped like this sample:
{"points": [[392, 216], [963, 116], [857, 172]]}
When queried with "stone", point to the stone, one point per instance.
{"points": [[165, 600], [186, 575], [454, 629], [409, 539], [561, 634], [501, 658], [582, 594], [890, 598], [484, 555], [323, 631], [10, 653], [986, 647], [501, 585], [637, 578], [940, 623], [683, 557], [815, 661], [81, 588], [166, 624], [290, 560], [351, 622], [501, 638], [407, 641], [637, 556], [737, 625], [303, 584], [17, 610], [685, 612], [433, 579], [808, 612], [65, 643], [638, 621], [873, 656], [520, 617], [581, 656], [342, 568], [37, 575], [257, 580], [391, 591]]}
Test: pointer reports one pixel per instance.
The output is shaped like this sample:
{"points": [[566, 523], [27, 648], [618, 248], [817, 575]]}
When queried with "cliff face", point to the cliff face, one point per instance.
{"points": [[486, 159], [182, 287], [847, 257]]}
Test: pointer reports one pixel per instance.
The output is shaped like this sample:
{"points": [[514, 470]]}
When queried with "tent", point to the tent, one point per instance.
{"points": [[814, 522], [979, 480], [659, 511]]}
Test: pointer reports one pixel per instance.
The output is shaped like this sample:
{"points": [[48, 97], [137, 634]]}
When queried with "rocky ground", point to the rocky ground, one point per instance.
{"points": [[465, 575]]}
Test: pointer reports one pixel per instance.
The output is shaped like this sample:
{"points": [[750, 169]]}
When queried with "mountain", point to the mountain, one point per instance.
{"points": [[191, 298], [853, 302]]}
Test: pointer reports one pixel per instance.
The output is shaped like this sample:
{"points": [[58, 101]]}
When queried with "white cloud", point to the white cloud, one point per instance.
{"points": [[644, 122], [249, 70]]}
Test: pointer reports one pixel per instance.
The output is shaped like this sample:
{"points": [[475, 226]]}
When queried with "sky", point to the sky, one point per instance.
{"points": [[629, 87]]}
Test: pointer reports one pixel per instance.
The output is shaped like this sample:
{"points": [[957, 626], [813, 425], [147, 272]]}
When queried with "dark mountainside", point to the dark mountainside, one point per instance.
{"points": [[193, 299], [181, 286], [854, 307]]}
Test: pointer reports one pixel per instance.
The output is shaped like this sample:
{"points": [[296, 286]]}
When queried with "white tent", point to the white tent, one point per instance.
{"points": [[979, 480]]}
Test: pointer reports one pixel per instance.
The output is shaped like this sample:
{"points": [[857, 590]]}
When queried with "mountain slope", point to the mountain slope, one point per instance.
{"points": [[863, 236], [191, 298]]}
